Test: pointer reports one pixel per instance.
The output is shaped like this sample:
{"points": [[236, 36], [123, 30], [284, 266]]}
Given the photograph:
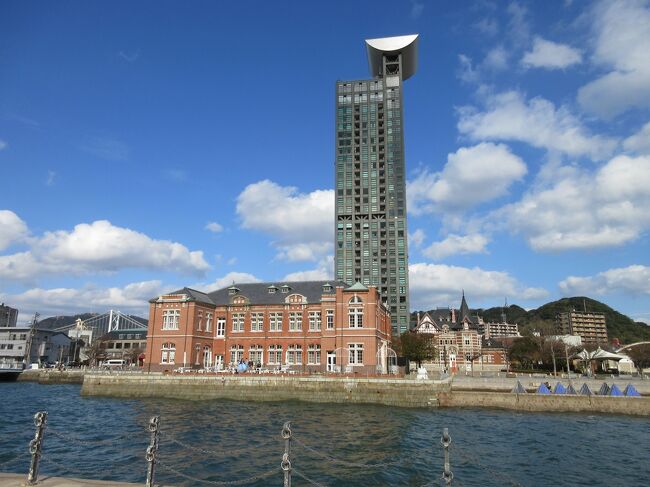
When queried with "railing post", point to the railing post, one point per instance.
{"points": [[35, 446], [152, 449], [286, 462], [446, 441]]}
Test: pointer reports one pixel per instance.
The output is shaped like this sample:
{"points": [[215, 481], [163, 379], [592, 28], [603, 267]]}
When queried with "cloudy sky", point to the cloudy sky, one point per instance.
{"points": [[149, 145]]}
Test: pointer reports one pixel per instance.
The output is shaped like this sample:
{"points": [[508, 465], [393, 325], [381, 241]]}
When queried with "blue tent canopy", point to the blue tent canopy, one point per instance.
{"points": [[559, 389], [571, 390], [585, 391], [542, 389], [604, 389], [615, 391], [631, 391]]}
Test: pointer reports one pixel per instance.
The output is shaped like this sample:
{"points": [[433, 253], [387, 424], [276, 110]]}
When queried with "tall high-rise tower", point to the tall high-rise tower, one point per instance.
{"points": [[371, 234]]}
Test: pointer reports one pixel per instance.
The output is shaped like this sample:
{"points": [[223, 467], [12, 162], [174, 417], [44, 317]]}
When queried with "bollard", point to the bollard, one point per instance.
{"points": [[286, 462], [35, 446], [446, 441], [152, 449]]}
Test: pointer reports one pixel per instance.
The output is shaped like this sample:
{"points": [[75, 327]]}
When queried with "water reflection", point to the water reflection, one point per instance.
{"points": [[233, 440]]}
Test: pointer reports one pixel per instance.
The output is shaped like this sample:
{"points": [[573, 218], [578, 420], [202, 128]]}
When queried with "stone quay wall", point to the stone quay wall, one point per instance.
{"points": [[388, 392], [637, 406], [52, 376]]}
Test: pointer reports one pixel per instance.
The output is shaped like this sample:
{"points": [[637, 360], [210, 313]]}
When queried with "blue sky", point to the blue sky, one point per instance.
{"points": [[149, 145]]}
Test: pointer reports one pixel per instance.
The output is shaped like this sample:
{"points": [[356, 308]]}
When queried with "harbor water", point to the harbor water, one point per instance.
{"points": [[333, 445]]}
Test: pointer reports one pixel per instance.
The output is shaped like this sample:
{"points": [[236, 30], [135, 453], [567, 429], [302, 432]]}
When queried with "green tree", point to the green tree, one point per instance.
{"points": [[525, 351], [640, 354], [416, 347]]}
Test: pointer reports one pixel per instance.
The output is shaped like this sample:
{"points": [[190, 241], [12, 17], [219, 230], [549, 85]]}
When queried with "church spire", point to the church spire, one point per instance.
{"points": [[464, 309]]}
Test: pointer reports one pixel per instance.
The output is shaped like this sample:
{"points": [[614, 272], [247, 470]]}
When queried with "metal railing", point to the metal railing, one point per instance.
{"points": [[285, 469]]}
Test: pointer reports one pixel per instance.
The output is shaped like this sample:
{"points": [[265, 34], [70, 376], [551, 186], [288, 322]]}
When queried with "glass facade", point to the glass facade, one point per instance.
{"points": [[371, 234]]}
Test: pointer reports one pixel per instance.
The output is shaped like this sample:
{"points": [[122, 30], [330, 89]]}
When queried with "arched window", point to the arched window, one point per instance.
{"points": [[294, 355], [275, 354], [355, 312], [236, 353], [256, 354], [168, 353]]}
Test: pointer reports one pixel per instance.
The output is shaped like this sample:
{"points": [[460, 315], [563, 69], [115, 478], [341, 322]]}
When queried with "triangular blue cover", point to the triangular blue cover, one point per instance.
{"points": [[585, 391], [615, 391], [571, 390], [559, 389], [519, 389], [542, 389], [604, 389], [631, 391]]}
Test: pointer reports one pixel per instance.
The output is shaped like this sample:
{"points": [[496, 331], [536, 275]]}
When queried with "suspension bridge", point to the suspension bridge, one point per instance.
{"points": [[111, 320]]}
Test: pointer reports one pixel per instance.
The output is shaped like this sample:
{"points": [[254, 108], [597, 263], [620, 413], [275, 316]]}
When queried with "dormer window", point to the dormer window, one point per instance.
{"points": [[285, 289], [272, 289], [327, 288], [232, 290]]}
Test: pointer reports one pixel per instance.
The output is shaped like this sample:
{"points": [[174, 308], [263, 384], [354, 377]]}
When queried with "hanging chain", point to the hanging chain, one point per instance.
{"points": [[447, 475], [36, 446], [217, 482]]}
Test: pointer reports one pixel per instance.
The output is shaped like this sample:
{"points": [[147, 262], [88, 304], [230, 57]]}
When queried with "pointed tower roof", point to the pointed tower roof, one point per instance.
{"points": [[464, 309]]}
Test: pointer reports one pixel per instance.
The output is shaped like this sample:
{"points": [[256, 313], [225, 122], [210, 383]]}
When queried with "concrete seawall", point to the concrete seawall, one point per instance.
{"points": [[52, 376], [388, 392]]}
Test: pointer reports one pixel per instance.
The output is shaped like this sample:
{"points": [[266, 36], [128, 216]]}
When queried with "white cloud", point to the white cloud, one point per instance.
{"points": [[225, 281], [634, 279], [302, 225], [467, 72], [508, 116], [130, 299], [416, 9], [214, 227], [581, 209], [417, 238], [12, 229], [471, 176], [621, 45], [457, 244], [518, 27], [496, 59], [106, 148], [550, 55], [639, 142], [99, 247], [51, 176], [3, 144], [324, 272], [488, 26], [434, 285]]}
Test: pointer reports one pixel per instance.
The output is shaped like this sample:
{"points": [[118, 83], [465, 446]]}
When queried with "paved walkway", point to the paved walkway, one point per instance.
{"points": [[20, 480]]}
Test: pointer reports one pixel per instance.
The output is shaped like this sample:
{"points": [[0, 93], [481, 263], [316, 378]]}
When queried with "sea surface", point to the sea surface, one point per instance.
{"points": [[209, 442]]}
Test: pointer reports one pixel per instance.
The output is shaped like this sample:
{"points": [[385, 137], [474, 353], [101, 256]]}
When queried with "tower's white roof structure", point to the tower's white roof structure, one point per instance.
{"points": [[406, 45]]}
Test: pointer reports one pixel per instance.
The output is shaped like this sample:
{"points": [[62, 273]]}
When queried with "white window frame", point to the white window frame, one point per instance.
{"points": [[208, 322], [275, 355], [171, 319], [168, 353], [313, 355], [314, 321], [295, 321], [256, 354], [275, 321], [330, 319], [236, 353], [221, 328], [257, 321], [238, 320], [294, 355], [355, 356]]}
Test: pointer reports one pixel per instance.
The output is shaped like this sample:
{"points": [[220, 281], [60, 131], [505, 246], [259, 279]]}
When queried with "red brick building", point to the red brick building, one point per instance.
{"points": [[311, 326]]}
